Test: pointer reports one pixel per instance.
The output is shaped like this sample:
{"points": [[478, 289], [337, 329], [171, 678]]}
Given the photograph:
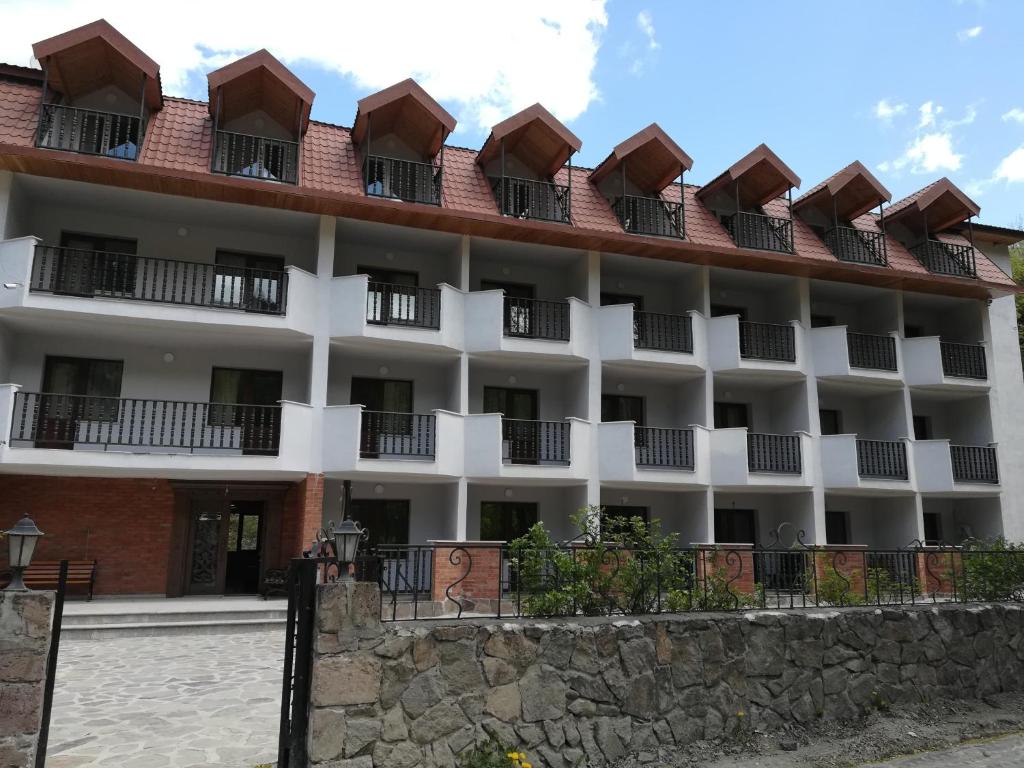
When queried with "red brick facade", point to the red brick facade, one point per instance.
{"points": [[479, 581], [303, 516]]}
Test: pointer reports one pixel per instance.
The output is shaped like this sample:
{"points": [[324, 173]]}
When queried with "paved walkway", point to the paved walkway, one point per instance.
{"points": [[167, 702], [1005, 752]]}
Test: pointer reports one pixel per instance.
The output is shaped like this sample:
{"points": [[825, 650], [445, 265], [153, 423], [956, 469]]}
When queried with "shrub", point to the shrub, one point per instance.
{"points": [[491, 754], [992, 570]]}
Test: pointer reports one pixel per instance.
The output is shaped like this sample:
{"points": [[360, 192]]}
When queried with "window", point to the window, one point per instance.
{"points": [[94, 387], [506, 520], [519, 306], [622, 408], [735, 526], [90, 265], [386, 520], [822, 321], [622, 298], [231, 387], [249, 281], [723, 310], [932, 528], [732, 415], [912, 331], [392, 295], [837, 527], [922, 428], [831, 421]]}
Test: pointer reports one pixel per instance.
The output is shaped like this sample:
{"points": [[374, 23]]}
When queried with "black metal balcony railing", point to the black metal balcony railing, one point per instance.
{"points": [[773, 453], [529, 199], [767, 341], [965, 361], [946, 258], [90, 132], [536, 319], [389, 304], [397, 434], [885, 459], [535, 442], [76, 272], [974, 464], [71, 421], [857, 246], [650, 216], [766, 233], [668, 448], [666, 333], [239, 154], [405, 180], [869, 350]]}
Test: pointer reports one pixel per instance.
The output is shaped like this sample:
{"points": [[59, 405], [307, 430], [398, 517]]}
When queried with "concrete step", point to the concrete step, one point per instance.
{"points": [[168, 629], [151, 617], [169, 617]]}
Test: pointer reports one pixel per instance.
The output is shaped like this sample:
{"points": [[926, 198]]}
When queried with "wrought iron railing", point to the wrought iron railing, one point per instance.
{"points": [[773, 453], [974, 464], [90, 132], [535, 442], [869, 350], [87, 422], [666, 333], [767, 341], [78, 272], [660, 447], [257, 157], [946, 258], [766, 233], [885, 459], [650, 216], [384, 434], [857, 246], [405, 180], [965, 361], [529, 199], [390, 304], [536, 319]]}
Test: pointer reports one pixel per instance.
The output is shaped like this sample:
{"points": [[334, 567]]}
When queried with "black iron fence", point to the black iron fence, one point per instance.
{"points": [[535, 442], [766, 233], [767, 341], [90, 132], [650, 216], [384, 435], [257, 157], [529, 199], [296, 685], [163, 426], [405, 180], [873, 351], [966, 361], [78, 272], [666, 333], [663, 448], [857, 246], [390, 304], [974, 463], [536, 318], [885, 459], [946, 258], [773, 453]]}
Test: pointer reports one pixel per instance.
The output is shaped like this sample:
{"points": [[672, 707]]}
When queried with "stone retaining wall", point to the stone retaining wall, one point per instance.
{"points": [[588, 691]]}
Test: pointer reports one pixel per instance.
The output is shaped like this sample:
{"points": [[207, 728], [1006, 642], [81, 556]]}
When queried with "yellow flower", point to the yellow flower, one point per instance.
{"points": [[527, 765], [512, 755]]}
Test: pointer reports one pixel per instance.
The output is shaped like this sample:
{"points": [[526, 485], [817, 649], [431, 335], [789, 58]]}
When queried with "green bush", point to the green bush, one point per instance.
{"points": [[991, 570], [834, 588]]}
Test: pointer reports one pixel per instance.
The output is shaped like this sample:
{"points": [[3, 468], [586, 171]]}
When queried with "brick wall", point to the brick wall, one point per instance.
{"points": [[303, 515], [472, 570]]}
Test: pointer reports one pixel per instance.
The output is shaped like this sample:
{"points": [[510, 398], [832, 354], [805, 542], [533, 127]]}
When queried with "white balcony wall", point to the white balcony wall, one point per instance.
{"points": [[485, 453], [484, 328], [618, 454], [729, 466], [831, 351], [840, 468], [922, 361], [723, 339], [615, 331]]}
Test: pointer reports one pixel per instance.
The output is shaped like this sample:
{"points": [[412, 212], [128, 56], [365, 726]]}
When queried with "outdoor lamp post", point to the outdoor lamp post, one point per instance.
{"points": [[21, 539], [346, 538]]}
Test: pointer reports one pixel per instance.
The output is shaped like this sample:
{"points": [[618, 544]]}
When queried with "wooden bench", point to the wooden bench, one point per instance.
{"points": [[44, 575], [275, 582]]}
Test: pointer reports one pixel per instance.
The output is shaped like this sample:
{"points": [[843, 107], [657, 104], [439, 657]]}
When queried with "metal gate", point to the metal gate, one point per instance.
{"points": [[298, 660], [51, 665]]}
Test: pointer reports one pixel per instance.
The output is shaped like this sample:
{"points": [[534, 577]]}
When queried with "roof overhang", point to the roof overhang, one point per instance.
{"points": [[407, 111], [259, 81], [761, 177], [535, 137], [848, 194], [651, 159], [88, 58], [989, 233], [938, 206]]}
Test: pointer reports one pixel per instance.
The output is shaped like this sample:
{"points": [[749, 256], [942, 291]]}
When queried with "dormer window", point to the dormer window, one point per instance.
{"points": [[836, 208], [98, 92], [400, 132], [921, 221], [745, 200], [525, 159], [634, 178], [260, 112]]}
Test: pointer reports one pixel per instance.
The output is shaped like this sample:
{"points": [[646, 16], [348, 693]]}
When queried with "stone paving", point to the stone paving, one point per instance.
{"points": [[1006, 752], [167, 702]]}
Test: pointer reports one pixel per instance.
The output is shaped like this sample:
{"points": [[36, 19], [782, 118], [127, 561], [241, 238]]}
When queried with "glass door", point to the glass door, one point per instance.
{"points": [[519, 309], [248, 281], [387, 414], [244, 544], [391, 295], [91, 265], [240, 398], [76, 389], [520, 430]]}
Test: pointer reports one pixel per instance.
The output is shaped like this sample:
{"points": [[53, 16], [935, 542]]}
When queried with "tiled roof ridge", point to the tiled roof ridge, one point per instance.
{"points": [[186, 100]]}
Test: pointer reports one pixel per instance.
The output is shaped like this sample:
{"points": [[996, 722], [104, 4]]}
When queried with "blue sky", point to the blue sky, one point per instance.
{"points": [[915, 89]]}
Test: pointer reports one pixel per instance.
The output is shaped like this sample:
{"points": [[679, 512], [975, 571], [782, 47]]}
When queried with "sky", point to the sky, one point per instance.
{"points": [[914, 89]]}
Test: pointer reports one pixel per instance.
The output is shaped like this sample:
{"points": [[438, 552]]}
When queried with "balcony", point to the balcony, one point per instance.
{"points": [[396, 435], [405, 180], [974, 464], [765, 233], [946, 258], [871, 351], [851, 463], [650, 216], [666, 456], [930, 362], [536, 319], [535, 442], [884, 459], [662, 448], [90, 132], [665, 333], [774, 453], [772, 348], [255, 157], [495, 322], [403, 305], [740, 458], [963, 361], [496, 447], [651, 338], [529, 199], [956, 469], [857, 246], [767, 341]]}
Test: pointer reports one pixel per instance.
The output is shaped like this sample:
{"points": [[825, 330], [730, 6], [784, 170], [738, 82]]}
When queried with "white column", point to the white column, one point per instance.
{"points": [[463, 264], [461, 510], [320, 357], [6, 183], [594, 376], [817, 536]]}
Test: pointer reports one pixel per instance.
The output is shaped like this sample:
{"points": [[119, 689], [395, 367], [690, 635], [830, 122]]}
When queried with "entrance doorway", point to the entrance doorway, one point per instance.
{"points": [[245, 531], [735, 526]]}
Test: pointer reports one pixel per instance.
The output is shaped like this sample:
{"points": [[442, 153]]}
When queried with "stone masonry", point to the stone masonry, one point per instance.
{"points": [[25, 620], [588, 691]]}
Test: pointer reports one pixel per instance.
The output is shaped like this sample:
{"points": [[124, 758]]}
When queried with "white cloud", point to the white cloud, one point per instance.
{"points": [[968, 34], [646, 24], [1011, 167], [928, 111], [928, 153], [885, 110], [481, 61], [1016, 115]]}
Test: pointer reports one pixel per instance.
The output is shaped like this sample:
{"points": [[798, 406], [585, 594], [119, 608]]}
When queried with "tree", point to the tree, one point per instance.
{"points": [[1017, 263]]}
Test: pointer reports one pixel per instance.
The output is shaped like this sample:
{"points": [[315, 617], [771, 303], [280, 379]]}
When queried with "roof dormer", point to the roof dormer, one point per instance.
{"points": [[400, 132], [98, 91], [633, 176], [920, 219], [521, 157], [260, 111]]}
